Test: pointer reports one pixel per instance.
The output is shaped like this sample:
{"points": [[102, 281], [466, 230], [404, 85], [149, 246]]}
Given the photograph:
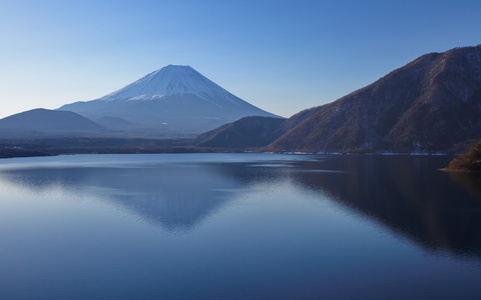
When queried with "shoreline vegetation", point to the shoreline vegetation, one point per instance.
{"points": [[468, 162], [18, 152], [60, 146], [92, 145]]}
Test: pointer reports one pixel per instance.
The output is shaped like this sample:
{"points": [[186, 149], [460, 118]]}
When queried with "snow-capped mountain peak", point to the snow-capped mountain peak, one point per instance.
{"points": [[173, 101], [172, 80]]}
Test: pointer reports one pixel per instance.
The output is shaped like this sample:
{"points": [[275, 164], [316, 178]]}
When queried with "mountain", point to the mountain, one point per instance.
{"points": [[44, 122], [431, 104], [248, 132], [172, 101]]}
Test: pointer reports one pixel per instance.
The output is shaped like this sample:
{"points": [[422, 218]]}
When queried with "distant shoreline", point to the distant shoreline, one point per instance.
{"points": [[92, 145]]}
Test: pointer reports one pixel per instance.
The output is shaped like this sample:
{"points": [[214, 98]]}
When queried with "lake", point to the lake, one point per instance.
{"points": [[238, 226]]}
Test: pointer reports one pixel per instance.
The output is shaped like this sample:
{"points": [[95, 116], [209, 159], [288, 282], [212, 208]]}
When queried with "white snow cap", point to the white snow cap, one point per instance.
{"points": [[168, 81]]}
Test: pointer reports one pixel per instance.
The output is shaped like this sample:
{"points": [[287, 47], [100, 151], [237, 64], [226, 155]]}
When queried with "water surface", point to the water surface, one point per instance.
{"points": [[238, 226]]}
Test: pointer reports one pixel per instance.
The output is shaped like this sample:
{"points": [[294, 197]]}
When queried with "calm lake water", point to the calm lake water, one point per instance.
{"points": [[238, 226]]}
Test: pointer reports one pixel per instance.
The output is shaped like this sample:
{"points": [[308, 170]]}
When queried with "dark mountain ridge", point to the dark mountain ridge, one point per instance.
{"points": [[248, 132], [44, 122], [429, 105], [432, 104]]}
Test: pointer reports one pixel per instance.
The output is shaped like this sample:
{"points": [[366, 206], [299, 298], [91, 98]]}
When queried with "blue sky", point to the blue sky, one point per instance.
{"points": [[282, 56]]}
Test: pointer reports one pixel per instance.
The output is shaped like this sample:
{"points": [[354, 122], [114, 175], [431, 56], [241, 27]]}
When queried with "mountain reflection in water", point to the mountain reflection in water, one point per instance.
{"points": [[237, 226], [177, 197], [405, 193], [469, 181]]}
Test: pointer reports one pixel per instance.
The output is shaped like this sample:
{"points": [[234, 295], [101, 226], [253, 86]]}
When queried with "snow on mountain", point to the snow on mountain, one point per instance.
{"points": [[173, 101], [172, 80]]}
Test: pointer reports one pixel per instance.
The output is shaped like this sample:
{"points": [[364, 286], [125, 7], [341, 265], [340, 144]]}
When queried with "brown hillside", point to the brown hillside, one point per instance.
{"points": [[429, 105]]}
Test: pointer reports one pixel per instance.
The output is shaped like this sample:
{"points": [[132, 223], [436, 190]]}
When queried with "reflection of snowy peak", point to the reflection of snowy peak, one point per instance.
{"points": [[172, 80], [172, 101]]}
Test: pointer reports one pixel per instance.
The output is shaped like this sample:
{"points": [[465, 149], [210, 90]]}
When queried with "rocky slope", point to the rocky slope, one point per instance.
{"points": [[430, 105]]}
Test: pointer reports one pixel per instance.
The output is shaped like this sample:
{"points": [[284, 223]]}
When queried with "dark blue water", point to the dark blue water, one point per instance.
{"points": [[238, 226]]}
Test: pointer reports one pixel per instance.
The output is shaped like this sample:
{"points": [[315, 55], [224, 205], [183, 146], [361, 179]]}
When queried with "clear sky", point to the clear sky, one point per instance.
{"points": [[282, 56]]}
